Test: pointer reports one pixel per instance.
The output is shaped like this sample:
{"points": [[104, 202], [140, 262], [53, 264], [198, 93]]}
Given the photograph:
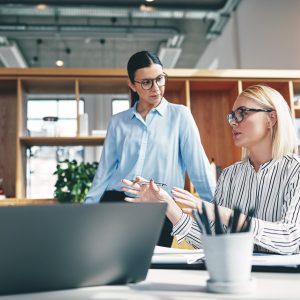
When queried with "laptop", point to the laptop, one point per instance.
{"points": [[64, 246]]}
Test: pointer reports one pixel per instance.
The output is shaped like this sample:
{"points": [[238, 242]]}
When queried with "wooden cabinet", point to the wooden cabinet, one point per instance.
{"points": [[209, 94]]}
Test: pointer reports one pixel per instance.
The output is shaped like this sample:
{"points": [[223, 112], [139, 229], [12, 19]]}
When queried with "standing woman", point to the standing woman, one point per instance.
{"points": [[153, 139]]}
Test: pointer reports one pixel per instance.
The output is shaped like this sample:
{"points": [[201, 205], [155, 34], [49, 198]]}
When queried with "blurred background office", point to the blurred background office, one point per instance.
{"points": [[205, 34]]}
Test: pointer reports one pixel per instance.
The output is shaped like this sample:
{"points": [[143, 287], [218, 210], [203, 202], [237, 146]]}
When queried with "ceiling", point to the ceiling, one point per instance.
{"points": [[96, 33]]}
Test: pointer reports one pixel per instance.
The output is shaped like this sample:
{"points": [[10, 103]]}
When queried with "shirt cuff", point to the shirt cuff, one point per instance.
{"points": [[257, 228], [182, 227]]}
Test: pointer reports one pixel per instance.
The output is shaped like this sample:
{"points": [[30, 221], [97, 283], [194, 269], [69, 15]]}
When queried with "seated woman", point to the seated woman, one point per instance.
{"points": [[267, 179]]}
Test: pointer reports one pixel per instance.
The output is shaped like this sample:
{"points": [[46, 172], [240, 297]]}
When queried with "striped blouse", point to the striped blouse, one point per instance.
{"points": [[274, 192]]}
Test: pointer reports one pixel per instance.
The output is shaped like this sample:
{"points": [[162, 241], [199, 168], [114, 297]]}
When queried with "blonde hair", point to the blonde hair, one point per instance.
{"points": [[284, 138]]}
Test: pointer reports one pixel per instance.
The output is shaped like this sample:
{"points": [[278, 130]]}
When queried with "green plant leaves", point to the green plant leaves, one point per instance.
{"points": [[73, 180]]}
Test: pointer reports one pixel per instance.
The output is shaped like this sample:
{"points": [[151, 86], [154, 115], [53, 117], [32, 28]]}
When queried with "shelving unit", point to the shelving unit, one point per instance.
{"points": [[209, 95], [62, 141]]}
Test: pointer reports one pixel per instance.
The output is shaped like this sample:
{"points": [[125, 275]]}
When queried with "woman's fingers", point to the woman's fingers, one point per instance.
{"points": [[181, 191], [189, 203], [187, 210], [185, 202], [129, 190], [132, 200], [154, 186], [146, 191], [128, 182], [131, 184], [139, 179], [184, 196]]}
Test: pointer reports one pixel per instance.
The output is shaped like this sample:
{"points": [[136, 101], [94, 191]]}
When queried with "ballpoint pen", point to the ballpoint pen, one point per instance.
{"points": [[235, 221], [197, 216], [218, 223], [247, 223], [205, 220], [148, 182]]}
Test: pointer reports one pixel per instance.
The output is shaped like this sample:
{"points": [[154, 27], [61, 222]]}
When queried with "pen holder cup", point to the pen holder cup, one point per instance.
{"points": [[228, 262]]}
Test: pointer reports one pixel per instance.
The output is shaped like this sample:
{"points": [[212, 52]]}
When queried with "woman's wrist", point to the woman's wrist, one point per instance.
{"points": [[174, 212]]}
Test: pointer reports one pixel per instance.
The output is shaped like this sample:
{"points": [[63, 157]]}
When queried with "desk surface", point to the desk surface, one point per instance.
{"points": [[176, 284]]}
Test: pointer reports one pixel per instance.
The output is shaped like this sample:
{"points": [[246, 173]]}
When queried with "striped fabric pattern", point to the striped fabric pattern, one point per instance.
{"points": [[274, 192]]}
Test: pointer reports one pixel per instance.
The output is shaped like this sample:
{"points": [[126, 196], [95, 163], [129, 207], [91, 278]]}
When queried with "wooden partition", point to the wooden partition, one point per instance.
{"points": [[8, 134], [175, 91], [210, 103]]}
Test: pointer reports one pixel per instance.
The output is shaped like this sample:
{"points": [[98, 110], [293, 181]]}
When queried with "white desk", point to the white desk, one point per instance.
{"points": [[176, 284]]}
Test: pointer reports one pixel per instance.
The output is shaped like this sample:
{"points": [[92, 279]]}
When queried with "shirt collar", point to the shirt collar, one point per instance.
{"points": [[263, 166], [161, 108]]}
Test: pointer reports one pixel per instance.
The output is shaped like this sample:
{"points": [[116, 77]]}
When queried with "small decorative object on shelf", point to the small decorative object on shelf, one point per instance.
{"points": [[98, 132], [50, 127], [84, 124], [2, 194], [297, 101]]}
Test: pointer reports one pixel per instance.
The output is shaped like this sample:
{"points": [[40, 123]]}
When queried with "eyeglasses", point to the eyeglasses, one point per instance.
{"points": [[239, 114], [147, 84]]}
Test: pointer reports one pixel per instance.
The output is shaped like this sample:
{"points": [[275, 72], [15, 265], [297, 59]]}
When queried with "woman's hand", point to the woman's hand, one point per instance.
{"points": [[148, 191], [187, 199], [144, 191]]}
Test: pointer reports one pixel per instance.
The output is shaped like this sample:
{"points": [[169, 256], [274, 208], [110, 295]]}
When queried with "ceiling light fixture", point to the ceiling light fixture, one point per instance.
{"points": [[149, 0], [59, 63], [146, 8], [41, 6]]}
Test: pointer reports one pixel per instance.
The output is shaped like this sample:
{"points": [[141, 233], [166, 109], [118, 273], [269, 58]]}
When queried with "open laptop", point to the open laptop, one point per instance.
{"points": [[71, 245]]}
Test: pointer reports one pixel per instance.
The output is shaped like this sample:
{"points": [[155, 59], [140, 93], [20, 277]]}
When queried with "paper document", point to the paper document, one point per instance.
{"points": [[264, 259], [164, 255]]}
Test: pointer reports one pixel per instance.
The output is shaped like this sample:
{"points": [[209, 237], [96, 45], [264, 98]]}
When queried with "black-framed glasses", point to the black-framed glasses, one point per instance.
{"points": [[147, 84], [239, 114]]}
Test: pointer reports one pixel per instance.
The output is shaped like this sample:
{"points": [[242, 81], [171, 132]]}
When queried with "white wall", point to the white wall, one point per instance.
{"points": [[261, 34]]}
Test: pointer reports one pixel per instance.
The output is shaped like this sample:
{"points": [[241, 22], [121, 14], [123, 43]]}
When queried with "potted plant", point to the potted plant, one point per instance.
{"points": [[73, 180]]}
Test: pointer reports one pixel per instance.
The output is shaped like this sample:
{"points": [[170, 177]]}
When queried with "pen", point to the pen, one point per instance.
{"points": [[235, 221], [204, 219], [198, 220], [229, 224], [218, 223], [148, 182], [247, 223]]}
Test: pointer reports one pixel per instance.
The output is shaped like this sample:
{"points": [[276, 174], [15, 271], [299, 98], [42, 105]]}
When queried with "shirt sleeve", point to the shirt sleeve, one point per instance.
{"points": [[107, 165], [283, 236], [188, 230], [195, 159]]}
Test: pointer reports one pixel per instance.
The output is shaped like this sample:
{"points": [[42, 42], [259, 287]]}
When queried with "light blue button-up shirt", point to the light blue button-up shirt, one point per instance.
{"points": [[162, 147]]}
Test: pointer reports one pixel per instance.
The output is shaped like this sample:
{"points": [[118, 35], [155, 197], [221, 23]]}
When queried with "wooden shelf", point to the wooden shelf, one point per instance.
{"points": [[62, 141], [26, 201], [297, 111]]}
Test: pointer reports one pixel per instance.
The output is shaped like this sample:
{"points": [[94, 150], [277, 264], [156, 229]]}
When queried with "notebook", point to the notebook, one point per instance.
{"points": [[65, 246]]}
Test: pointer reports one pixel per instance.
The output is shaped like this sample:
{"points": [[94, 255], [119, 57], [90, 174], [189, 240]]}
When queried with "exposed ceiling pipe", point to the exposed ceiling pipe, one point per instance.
{"points": [[163, 4], [218, 18], [92, 31]]}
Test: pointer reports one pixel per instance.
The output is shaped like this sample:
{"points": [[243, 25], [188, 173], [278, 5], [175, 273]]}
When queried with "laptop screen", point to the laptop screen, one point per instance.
{"points": [[65, 246]]}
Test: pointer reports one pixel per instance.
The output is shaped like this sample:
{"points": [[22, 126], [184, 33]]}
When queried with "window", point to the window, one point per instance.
{"points": [[119, 105], [42, 160], [63, 109]]}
